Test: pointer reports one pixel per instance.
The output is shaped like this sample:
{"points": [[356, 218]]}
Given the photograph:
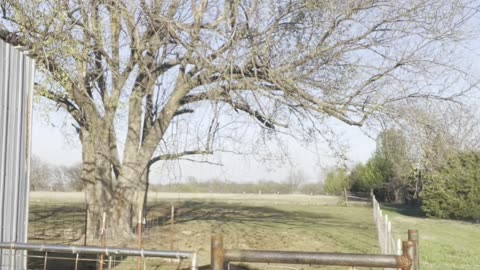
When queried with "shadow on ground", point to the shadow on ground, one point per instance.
{"points": [[241, 214], [50, 261], [406, 210]]}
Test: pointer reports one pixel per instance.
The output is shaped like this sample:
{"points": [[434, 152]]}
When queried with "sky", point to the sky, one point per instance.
{"points": [[55, 142]]}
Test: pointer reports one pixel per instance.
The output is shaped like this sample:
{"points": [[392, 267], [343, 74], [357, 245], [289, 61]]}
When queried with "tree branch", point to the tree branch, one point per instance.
{"points": [[178, 155], [63, 101]]}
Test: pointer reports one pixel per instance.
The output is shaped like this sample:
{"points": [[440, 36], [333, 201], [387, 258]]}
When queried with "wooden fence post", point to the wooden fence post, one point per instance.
{"points": [[217, 253], [345, 194], [413, 236]]}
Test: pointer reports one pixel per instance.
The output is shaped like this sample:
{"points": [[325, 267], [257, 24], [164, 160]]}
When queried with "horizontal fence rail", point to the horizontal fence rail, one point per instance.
{"points": [[100, 251], [221, 256], [335, 259]]}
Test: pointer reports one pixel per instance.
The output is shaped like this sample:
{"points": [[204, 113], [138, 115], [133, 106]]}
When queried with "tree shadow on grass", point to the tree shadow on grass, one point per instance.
{"points": [[405, 210], [58, 223], [189, 211], [57, 261], [39, 213]]}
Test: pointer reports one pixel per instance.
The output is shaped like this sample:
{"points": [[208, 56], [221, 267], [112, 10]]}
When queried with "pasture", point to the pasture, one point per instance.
{"points": [[275, 222], [444, 244]]}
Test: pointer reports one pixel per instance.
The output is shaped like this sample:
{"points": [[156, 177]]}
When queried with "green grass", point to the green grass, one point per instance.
{"points": [[278, 227], [444, 244], [265, 222], [279, 222]]}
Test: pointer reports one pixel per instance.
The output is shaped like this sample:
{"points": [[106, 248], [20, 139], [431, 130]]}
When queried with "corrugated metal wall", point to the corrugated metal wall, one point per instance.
{"points": [[16, 85]]}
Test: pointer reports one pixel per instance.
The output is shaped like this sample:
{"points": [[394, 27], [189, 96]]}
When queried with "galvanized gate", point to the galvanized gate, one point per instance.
{"points": [[16, 85]]}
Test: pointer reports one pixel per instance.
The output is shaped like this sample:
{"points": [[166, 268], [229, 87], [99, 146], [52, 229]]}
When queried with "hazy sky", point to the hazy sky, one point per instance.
{"points": [[55, 142]]}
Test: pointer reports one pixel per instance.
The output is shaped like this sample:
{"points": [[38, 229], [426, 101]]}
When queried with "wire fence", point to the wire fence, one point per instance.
{"points": [[43, 257], [355, 198], [63, 223]]}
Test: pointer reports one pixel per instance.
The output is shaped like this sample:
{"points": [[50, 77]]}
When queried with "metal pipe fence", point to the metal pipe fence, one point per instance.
{"points": [[41, 256], [220, 257]]}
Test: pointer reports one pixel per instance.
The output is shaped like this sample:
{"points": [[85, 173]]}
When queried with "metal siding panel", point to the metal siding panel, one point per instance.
{"points": [[10, 176], [21, 152], [25, 178], [10, 179], [3, 112], [16, 84], [3, 94], [4, 131], [19, 147], [20, 200]]}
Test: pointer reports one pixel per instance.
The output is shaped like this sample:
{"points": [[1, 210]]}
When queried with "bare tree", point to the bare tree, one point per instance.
{"points": [[74, 177], [46, 176], [295, 179], [130, 72], [436, 135], [39, 174]]}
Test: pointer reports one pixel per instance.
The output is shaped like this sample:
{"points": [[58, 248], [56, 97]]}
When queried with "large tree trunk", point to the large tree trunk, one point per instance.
{"points": [[118, 196], [101, 194], [126, 204]]}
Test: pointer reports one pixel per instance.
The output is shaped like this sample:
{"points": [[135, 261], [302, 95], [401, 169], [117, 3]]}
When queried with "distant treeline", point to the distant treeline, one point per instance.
{"points": [[219, 186]]}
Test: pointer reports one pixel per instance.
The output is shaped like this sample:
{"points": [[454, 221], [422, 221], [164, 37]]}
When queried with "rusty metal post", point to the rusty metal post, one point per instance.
{"points": [[86, 225], [406, 260], [172, 220], [217, 253], [413, 236], [102, 237], [140, 243]]}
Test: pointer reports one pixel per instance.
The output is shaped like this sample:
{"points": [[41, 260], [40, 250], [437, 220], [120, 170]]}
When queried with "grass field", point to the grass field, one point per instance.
{"points": [[444, 244], [288, 222]]}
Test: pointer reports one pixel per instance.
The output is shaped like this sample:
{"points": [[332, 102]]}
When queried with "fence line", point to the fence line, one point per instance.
{"points": [[387, 243], [66, 223]]}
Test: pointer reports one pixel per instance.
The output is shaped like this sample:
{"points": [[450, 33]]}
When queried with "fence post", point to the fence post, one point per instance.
{"points": [[139, 235], [86, 225], [399, 247], [102, 237], [194, 261], [217, 253], [407, 256], [385, 235], [172, 220], [413, 236], [345, 194]]}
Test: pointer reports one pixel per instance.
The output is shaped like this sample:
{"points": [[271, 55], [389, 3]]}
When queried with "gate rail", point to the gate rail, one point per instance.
{"points": [[104, 251], [407, 261]]}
